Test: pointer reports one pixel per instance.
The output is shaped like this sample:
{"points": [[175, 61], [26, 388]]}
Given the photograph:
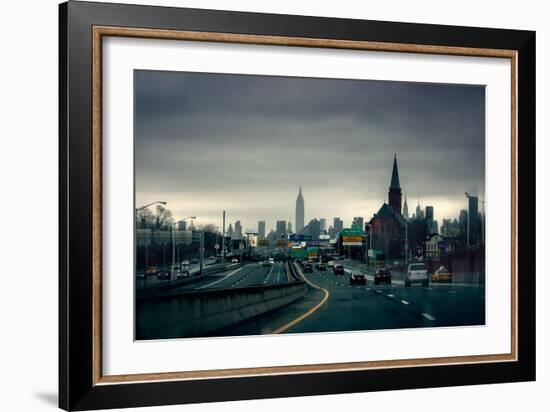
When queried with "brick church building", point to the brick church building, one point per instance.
{"points": [[388, 226]]}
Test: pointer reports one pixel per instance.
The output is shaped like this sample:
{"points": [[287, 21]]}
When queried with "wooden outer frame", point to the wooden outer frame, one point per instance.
{"points": [[101, 31], [92, 390]]}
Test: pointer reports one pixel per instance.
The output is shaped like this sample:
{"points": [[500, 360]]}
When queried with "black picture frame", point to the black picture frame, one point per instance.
{"points": [[77, 390]]}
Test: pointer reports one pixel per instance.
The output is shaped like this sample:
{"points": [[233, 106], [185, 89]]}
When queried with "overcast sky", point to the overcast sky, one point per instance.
{"points": [[209, 142]]}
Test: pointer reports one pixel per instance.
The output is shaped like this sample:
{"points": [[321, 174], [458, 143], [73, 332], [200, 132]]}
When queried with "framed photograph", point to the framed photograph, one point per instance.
{"points": [[256, 206]]}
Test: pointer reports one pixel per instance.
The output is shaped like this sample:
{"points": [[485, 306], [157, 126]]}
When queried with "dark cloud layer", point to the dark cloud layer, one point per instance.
{"points": [[211, 141]]}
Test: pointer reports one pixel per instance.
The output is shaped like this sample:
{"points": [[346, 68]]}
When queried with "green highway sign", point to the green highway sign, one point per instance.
{"points": [[354, 231], [298, 253]]}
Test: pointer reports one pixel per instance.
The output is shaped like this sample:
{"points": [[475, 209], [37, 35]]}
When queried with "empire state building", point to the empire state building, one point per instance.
{"points": [[299, 212]]}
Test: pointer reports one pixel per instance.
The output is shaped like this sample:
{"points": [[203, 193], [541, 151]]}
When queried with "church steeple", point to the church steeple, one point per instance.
{"points": [[394, 194], [395, 174]]}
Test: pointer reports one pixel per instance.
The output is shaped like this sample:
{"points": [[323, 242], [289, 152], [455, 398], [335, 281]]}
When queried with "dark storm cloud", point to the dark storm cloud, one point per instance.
{"points": [[213, 140]]}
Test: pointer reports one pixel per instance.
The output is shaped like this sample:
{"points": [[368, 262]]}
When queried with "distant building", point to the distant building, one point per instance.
{"points": [[338, 225], [313, 229], [405, 209], [299, 212], [229, 232], [475, 226], [430, 219], [238, 232], [261, 229], [323, 224], [280, 229], [419, 212], [289, 227], [437, 245], [358, 222], [388, 225]]}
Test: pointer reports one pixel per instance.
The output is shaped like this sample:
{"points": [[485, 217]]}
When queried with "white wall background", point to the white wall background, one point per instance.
{"points": [[28, 203]]}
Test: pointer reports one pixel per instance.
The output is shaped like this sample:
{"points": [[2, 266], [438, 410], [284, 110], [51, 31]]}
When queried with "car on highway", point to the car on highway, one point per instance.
{"points": [[339, 269], [234, 260], [308, 268], [382, 275], [357, 278], [271, 261], [163, 275], [442, 275], [266, 263], [185, 263], [194, 261], [331, 263], [416, 273], [212, 258], [321, 266], [182, 274], [153, 270]]}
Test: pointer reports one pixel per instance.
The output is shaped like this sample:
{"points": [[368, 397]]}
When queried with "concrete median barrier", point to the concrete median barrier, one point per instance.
{"points": [[163, 315]]}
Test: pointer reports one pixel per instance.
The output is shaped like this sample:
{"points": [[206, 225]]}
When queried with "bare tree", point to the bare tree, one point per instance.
{"points": [[161, 216]]}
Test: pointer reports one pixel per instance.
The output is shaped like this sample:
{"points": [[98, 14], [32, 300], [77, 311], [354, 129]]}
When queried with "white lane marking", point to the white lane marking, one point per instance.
{"points": [[222, 279], [379, 291], [368, 288], [390, 296], [404, 302], [453, 291], [428, 316]]}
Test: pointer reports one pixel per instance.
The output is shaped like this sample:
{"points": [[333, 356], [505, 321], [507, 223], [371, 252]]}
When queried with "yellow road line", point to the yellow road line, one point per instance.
{"points": [[310, 311]]}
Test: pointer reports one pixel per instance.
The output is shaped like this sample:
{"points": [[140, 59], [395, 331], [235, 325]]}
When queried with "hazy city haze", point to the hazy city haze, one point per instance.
{"points": [[245, 144]]}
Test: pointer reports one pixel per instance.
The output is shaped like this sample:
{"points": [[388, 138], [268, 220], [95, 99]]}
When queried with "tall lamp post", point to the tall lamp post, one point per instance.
{"points": [[162, 202]]}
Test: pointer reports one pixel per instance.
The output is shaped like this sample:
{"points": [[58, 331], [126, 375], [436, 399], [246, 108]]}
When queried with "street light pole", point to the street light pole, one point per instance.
{"points": [[162, 202], [223, 238], [468, 223]]}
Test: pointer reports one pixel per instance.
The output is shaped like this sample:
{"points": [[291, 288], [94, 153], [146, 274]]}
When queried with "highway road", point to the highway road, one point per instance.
{"points": [[332, 305], [251, 274]]}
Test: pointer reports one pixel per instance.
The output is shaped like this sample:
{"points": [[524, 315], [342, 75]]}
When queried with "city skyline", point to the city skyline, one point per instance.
{"points": [[334, 138]]}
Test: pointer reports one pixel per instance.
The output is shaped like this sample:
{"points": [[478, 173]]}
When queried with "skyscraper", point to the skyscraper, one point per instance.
{"points": [[299, 212], [280, 229], [238, 233], [289, 227], [358, 222], [338, 225], [323, 224], [406, 209], [394, 193], [261, 229], [473, 214], [430, 218]]}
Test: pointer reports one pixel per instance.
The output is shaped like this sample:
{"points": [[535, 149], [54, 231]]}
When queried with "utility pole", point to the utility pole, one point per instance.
{"points": [[202, 252], [468, 223], [173, 247], [223, 238]]}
